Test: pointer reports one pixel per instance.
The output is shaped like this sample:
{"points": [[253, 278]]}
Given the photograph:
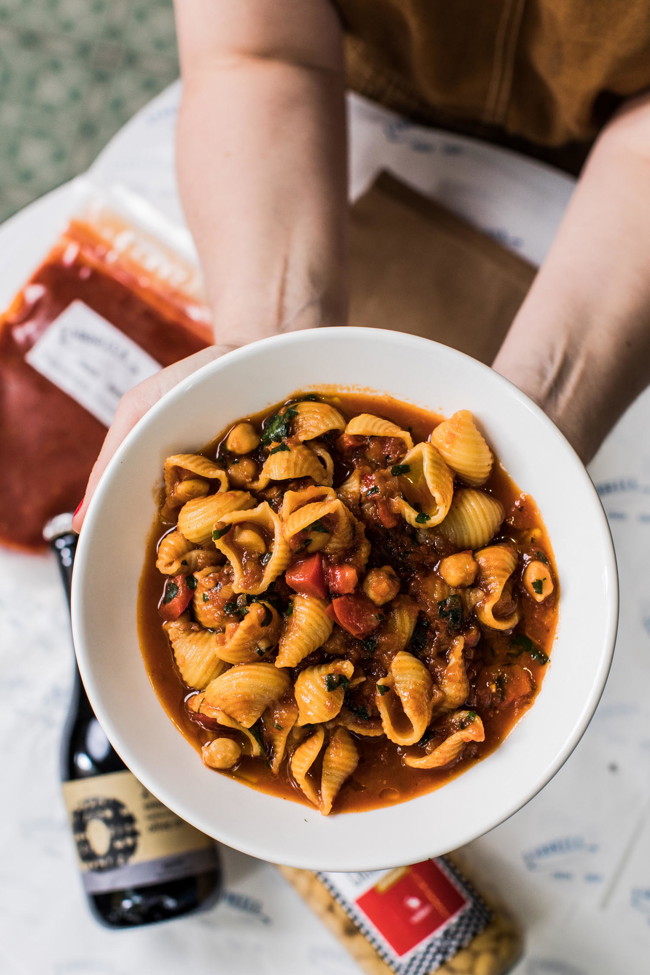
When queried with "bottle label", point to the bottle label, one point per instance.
{"points": [[415, 917], [90, 360], [126, 838]]}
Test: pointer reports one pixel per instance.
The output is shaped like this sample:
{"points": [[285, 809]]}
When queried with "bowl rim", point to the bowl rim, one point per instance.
{"points": [[261, 847]]}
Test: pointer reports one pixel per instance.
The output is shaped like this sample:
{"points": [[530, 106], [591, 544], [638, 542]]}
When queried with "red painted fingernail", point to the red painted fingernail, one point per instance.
{"points": [[76, 510]]}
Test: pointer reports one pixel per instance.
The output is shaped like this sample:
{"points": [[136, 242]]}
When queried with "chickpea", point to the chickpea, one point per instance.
{"points": [[250, 539], [221, 753], [459, 570], [381, 585], [242, 439], [243, 473], [538, 582]]}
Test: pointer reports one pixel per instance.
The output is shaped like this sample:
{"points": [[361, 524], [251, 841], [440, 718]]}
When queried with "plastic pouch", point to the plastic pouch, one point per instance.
{"points": [[110, 304]]}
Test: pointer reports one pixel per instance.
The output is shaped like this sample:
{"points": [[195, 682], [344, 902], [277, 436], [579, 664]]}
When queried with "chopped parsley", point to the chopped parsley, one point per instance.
{"points": [[171, 592], [235, 608], [280, 447], [369, 644], [266, 558], [278, 427], [426, 738], [383, 689], [191, 582], [333, 681], [359, 711], [288, 610], [277, 726], [521, 643], [259, 651], [373, 490], [206, 597], [399, 469], [451, 609], [423, 518], [220, 532], [318, 526], [538, 585], [541, 557]]}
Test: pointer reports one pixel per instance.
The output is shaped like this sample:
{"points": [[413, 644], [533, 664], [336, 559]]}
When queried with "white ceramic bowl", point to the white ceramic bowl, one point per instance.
{"points": [[110, 558]]}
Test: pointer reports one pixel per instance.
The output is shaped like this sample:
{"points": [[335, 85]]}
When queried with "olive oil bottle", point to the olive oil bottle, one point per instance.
{"points": [[139, 862]]}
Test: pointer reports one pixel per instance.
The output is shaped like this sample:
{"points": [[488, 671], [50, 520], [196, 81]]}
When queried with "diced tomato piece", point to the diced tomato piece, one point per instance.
{"points": [[356, 614], [502, 687], [175, 599], [386, 515], [307, 577], [348, 441], [341, 579]]}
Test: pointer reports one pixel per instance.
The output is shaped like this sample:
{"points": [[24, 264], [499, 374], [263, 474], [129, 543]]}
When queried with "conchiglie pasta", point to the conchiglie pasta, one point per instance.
{"points": [[319, 691], [197, 518], [278, 721], [307, 628], [463, 447], [473, 518], [302, 760], [339, 762], [313, 419], [468, 727], [427, 487], [369, 425], [251, 637], [329, 525], [172, 551], [255, 547], [403, 616], [246, 690], [454, 682], [195, 652], [405, 699], [181, 486], [496, 565], [292, 462]]}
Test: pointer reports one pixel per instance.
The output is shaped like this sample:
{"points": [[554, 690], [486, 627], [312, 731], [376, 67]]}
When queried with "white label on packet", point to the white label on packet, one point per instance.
{"points": [[90, 360]]}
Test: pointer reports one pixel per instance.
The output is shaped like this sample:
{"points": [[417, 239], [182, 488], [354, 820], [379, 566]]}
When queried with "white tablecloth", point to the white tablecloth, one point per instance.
{"points": [[573, 865]]}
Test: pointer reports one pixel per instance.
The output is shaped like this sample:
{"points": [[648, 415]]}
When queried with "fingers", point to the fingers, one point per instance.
{"points": [[133, 407]]}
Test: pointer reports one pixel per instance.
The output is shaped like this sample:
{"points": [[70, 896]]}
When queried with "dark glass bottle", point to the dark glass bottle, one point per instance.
{"points": [[139, 862]]}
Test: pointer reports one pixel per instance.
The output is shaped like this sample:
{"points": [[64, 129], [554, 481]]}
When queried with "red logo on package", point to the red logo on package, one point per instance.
{"points": [[410, 904]]}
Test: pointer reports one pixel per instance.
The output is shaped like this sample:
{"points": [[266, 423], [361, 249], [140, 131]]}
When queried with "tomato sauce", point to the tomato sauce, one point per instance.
{"points": [[48, 441]]}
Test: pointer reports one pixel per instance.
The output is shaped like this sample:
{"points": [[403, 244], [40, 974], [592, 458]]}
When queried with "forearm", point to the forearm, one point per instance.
{"points": [[580, 344], [261, 160]]}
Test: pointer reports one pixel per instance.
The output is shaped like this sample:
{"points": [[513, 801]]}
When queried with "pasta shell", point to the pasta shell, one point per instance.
{"points": [[464, 448], [469, 728], [319, 691], [254, 570], [302, 760], [293, 500], [402, 617], [325, 458], [171, 552], [496, 565], [339, 762], [197, 518], [198, 704], [195, 652], [289, 463], [334, 523], [314, 419], [256, 633], [179, 488], [244, 692], [427, 487], [454, 682], [278, 721], [473, 519], [308, 628], [210, 596], [369, 425], [406, 707]]}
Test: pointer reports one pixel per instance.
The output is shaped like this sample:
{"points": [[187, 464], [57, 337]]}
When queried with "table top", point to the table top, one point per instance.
{"points": [[573, 865]]}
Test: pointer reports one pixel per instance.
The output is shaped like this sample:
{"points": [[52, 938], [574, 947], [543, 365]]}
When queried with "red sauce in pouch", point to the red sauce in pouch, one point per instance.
{"points": [[107, 307]]}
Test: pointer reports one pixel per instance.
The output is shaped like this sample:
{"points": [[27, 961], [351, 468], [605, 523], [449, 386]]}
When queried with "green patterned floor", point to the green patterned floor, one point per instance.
{"points": [[71, 73]]}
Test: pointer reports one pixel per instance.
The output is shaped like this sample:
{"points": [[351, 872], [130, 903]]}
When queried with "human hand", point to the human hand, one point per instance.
{"points": [[133, 407]]}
